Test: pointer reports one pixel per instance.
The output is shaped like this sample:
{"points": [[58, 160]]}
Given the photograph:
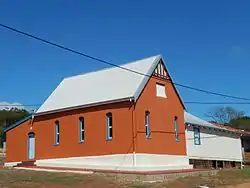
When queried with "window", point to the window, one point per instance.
{"points": [[109, 126], [176, 129], [197, 138], [160, 90], [57, 133], [81, 128], [147, 126]]}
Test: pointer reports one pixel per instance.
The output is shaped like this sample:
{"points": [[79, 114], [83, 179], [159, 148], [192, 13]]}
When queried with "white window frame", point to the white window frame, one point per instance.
{"points": [[147, 125], [109, 118], [57, 133], [176, 129], [81, 128], [161, 90], [197, 136]]}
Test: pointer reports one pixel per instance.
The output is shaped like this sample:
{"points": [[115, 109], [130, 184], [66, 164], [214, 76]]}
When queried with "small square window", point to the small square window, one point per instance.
{"points": [[160, 90]]}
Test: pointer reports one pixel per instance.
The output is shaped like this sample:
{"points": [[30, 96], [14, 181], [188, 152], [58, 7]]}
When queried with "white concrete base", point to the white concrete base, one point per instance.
{"points": [[55, 170], [121, 162], [11, 164]]}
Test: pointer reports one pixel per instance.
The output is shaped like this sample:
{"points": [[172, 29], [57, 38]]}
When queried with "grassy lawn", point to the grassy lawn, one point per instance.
{"points": [[20, 178]]}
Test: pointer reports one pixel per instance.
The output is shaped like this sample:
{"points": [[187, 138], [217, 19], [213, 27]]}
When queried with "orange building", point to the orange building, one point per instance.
{"points": [[112, 119]]}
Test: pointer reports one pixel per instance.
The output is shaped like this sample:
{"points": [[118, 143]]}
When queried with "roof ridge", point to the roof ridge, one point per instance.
{"points": [[109, 68]]}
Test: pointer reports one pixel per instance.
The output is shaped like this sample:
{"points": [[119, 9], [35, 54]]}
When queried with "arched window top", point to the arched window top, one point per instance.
{"points": [[31, 134], [109, 114], [81, 118], [175, 118], [57, 121]]}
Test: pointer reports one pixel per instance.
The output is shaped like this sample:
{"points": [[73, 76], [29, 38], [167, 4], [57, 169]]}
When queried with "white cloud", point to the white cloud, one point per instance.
{"points": [[7, 106]]}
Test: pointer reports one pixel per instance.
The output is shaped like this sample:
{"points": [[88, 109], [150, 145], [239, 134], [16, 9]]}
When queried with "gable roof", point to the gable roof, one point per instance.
{"points": [[104, 86], [191, 119], [17, 123]]}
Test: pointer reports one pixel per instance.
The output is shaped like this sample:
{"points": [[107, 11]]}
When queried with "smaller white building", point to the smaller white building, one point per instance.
{"points": [[211, 146]]}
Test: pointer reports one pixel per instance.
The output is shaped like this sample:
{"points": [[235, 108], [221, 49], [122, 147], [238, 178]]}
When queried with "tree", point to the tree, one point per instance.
{"points": [[242, 123], [230, 117], [8, 117], [224, 115]]}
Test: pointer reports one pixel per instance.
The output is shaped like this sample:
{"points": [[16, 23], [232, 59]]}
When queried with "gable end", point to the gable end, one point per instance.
{"points": [[17, 123], [159, 70]]}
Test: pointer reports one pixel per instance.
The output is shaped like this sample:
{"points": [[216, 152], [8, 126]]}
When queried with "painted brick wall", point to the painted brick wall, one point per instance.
{"points": [[95, 142], [162, 112]]}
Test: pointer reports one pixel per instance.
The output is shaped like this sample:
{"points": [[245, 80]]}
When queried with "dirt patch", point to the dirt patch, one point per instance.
{"points": [[244, 185]]}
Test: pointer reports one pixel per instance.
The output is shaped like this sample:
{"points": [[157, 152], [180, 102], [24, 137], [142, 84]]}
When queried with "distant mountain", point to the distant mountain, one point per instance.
{"points": [[8, 106], [14, 106]]}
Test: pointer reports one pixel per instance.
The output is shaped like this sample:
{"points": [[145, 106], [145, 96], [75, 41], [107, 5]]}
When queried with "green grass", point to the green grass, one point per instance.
{"points": [[22, 178], [245, 172]]}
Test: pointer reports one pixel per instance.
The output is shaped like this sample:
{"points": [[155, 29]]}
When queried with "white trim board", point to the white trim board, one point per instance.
{"points": [[215, 158]]}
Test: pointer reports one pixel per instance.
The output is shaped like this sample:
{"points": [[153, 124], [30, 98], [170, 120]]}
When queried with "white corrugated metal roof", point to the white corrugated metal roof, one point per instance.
{"points": [[191, 119], [100, 86]]}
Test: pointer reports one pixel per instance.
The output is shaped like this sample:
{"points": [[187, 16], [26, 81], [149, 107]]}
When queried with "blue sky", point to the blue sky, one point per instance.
{"points": [[205, 44]]}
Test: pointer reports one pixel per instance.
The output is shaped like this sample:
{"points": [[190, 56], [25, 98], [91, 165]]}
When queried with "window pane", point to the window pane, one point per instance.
{"points": [[110, 121], [109, 126], [160, 91], [57, 128], [196, 136], [57, 132], [147, 118], [82, 135], [58, 139], [147, 126], [110, 132], [176, 128], [81, 122]]}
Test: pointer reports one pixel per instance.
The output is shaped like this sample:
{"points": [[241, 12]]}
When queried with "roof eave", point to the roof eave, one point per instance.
{"points": [[85, 106], [204, 126], [18, 123], [147, 77]]}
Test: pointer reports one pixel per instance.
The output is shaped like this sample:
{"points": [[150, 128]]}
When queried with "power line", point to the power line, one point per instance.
{"points": [[114, 65], [228, 103]]}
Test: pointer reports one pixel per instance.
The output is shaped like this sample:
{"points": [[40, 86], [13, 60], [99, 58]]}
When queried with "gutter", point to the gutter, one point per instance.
{"points": [[127, 99]]}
